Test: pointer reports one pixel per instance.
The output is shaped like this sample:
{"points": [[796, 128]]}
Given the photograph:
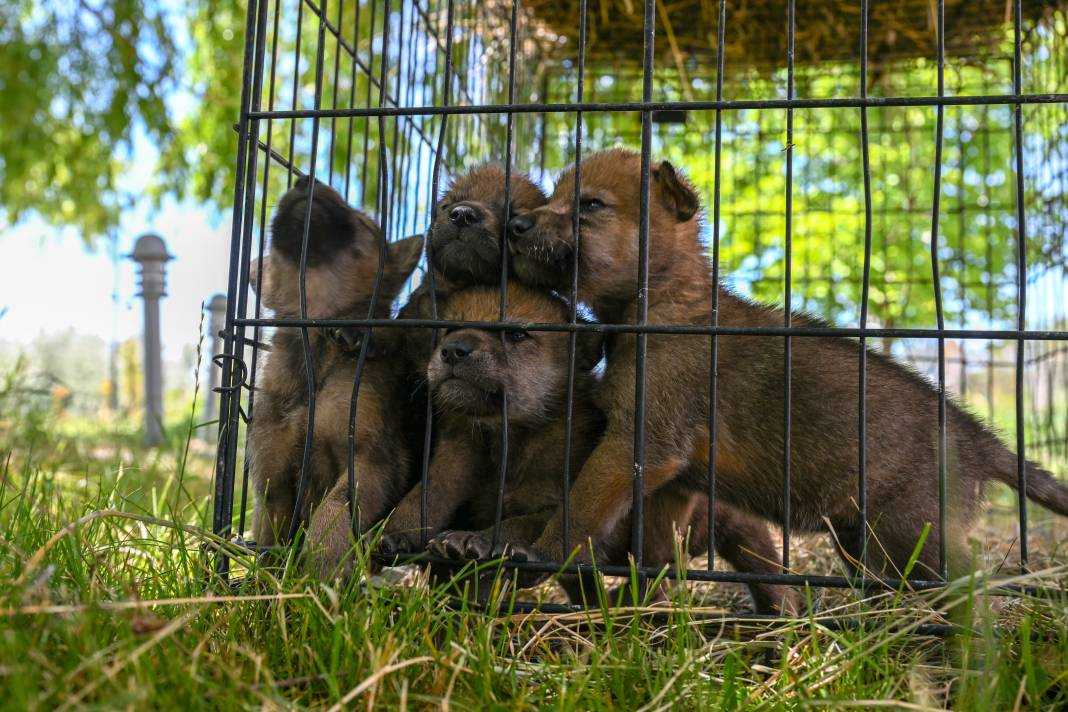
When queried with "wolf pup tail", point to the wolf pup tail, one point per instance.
{"points": [[1042, 487]]}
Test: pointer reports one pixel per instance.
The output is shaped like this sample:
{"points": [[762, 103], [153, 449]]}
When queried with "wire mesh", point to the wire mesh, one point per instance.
{"points": [[904, 178]]}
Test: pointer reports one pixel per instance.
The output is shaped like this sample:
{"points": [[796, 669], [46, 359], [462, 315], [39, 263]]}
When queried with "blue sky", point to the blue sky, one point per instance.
{"points": [[51, 281]]}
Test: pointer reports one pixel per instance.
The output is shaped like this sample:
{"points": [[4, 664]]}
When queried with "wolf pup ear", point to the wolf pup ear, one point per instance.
{"points": [[401, 258], [675, 192], [367, 235]]}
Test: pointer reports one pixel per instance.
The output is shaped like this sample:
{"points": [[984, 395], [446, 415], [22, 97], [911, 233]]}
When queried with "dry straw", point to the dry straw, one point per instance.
{"points": [[756, 32]]}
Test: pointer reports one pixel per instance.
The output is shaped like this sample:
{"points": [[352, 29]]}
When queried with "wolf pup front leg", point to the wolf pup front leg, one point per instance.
{"points": [[342, 252]]}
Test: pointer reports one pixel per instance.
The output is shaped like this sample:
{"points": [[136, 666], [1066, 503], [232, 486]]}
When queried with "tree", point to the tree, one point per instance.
{"points": [[80, 78], [199, 162], [77, 77]]}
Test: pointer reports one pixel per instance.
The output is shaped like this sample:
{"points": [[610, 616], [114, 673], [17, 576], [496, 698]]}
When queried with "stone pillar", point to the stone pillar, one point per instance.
{"points": [[216, 322], [150, 252]]}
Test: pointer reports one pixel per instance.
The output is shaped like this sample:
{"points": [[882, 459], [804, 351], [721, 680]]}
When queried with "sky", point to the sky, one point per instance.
{"points": [[51, 281]]}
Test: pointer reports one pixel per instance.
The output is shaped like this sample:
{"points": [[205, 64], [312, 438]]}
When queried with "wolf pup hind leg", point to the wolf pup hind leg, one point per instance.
{"points": [[901, 415], [342, 257]]}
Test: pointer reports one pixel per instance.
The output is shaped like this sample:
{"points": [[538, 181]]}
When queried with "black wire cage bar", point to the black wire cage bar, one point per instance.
{"points": [[916, 197]]}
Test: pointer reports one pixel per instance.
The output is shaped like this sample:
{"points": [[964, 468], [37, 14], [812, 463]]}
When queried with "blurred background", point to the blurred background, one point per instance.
{"points": [[115, 121]]}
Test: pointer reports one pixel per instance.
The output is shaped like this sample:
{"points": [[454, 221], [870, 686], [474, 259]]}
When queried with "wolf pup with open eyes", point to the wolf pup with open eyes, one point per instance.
{"points": [[901, 416], [342, 260], [469, 372]]}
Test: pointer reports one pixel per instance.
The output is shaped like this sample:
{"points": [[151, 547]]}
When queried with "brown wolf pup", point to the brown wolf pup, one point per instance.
{"points": [[342, 259], [468, 375], [469, 371], [468, 231], [901, 413], [464, 248]]}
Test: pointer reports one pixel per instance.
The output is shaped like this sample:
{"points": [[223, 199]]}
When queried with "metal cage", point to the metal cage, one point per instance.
{"points": [[385, 100]]}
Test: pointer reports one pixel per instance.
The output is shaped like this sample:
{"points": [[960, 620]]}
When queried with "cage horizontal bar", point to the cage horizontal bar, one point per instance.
{"points": [[676, 329], [739, 619], [700, 575], [703, 575], [639, 106], [236, 583]]}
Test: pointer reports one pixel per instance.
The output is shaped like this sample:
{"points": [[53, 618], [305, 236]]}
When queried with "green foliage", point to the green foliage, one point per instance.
{"points": [[200, 161], [81, 78], [76, 78]]}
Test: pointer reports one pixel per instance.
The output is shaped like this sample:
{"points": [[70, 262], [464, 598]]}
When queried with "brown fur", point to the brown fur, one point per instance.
{"points": [[463, 253], [460, 252], [468, 230], [466, 461], [532, 370], [342, 262], [901, 415]]}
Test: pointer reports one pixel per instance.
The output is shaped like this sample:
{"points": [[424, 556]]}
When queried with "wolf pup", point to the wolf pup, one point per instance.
{"points": [[468, 230], [901, 414], [470, 371], [468, 375], [342, 259], [464, 248]]}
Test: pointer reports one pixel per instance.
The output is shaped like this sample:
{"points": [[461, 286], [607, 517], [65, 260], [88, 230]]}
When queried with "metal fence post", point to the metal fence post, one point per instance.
{"points": [[150, 252], [216, 322]]}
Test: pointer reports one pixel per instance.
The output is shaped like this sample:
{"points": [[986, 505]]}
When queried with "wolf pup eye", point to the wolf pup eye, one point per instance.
{"points": [[590, 204], [517, 336]]}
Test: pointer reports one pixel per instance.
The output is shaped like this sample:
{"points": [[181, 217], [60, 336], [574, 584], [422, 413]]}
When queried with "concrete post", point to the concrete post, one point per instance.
{"points": [[150, 252], [113, 347], [216, 322]]}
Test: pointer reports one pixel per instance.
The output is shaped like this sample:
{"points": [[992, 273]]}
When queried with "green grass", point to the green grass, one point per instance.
{"points": [[106, 602]]}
